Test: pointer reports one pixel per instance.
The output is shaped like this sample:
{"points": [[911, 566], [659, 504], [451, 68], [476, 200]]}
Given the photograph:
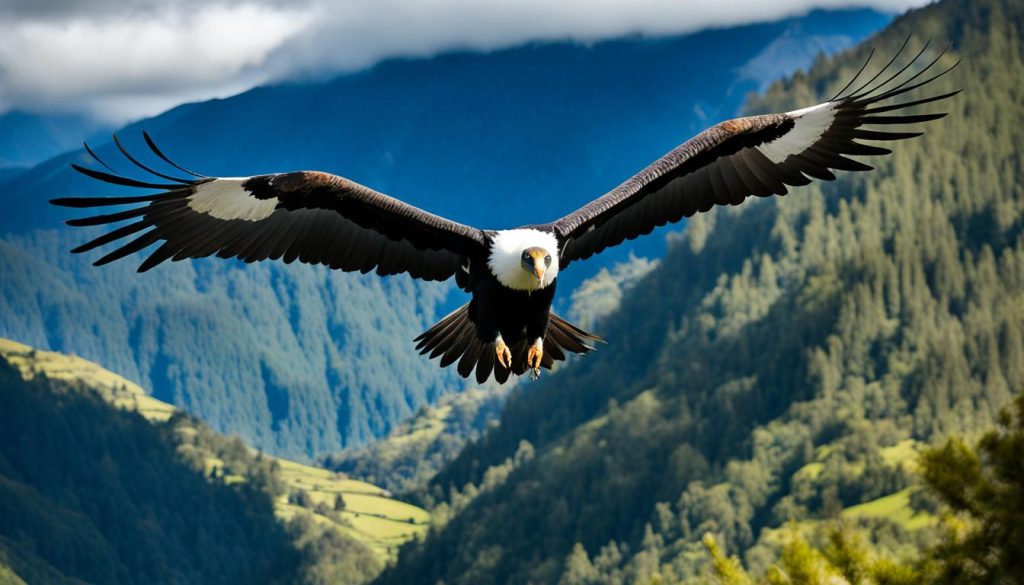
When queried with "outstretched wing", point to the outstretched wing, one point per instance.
{"points": [[314, 217], [758, 155]]}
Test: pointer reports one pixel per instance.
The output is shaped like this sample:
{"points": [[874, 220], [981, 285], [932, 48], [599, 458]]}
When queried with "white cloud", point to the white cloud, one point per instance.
{"points": [[365, 31], [135, 65], [127, 58]]}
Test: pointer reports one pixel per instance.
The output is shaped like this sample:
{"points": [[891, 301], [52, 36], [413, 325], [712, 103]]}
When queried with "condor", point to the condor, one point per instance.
{"points": [[507, 327]]}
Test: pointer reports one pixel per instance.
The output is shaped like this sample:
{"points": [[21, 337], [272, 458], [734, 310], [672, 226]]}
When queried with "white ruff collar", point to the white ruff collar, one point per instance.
{"points": [[505, 260]]}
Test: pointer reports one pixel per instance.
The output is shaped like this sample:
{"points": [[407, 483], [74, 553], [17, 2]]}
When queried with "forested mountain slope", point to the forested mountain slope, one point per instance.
{"points": [[93, 494], [785, 359], [324, 526], [302, 362]]}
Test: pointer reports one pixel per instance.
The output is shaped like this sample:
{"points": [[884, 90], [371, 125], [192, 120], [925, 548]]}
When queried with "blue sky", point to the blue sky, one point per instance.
{"points": [[123, 59]]}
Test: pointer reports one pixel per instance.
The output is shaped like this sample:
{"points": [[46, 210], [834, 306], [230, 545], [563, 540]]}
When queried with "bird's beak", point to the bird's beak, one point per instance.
{"points": [[538, 269]]}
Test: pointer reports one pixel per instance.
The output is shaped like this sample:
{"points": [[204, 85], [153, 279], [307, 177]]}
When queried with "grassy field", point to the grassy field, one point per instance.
{"points": [[426, 428], [113, 388], [895, 507], [370, 515]]}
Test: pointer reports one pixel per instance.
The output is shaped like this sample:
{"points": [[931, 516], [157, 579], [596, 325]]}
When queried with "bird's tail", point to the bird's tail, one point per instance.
{"points": [[454, 339]]}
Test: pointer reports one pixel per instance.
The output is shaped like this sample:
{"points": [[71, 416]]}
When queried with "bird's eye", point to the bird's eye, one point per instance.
{"points": [[547, 260], [526, 255]]}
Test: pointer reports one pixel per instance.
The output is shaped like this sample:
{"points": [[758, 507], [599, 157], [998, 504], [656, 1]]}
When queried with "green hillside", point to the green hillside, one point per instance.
{"points": [[784, 361], [93, 494], [409, 457], [356, 537]]}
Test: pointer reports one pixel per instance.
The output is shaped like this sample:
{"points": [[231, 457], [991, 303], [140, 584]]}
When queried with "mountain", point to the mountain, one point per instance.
{"points": [[28, 139], [302, 362], [785, 360], [118, 496], [7, 173]]}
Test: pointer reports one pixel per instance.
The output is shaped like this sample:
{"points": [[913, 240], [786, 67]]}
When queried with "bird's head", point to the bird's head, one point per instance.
{"points": [[536, 261], [524, 259]]}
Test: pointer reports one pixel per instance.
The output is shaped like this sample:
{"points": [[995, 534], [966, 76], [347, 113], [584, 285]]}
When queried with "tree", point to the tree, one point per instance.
{"points": [[985, 489], [301, 498], [578, 568]]}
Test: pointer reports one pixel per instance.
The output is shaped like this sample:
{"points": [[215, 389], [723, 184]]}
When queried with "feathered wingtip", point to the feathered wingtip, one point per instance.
{"points": [[454, 339], [869, 92], [169, 192], [115, 178], [855, 112]]}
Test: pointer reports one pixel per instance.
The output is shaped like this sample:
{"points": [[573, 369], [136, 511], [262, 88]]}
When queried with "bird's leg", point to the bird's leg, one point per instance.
{"points": [[503, 353], [535, 357]]}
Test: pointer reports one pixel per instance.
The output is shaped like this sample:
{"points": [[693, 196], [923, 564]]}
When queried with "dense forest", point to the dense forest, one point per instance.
{"points": [[785, 361]]}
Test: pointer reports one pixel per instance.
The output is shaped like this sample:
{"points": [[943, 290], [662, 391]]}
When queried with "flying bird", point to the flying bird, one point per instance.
{"points": [[507, 327]]}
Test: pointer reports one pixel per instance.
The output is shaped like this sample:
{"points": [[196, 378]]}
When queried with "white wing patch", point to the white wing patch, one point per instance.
{"points": [[227, 199], [809, 124]]}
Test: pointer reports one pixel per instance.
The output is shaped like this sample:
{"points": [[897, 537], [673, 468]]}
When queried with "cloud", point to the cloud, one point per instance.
{"points": [[121, 59], [121, 67], [100, 9]]}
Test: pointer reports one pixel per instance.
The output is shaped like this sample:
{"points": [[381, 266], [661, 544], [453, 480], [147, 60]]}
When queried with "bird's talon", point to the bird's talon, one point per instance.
{"points": [[504, 354], [535, 374], [535, 357]]}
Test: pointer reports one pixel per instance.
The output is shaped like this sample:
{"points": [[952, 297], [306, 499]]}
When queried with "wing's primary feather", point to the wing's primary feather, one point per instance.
{"points": [[757, 155], [313, 217]]}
